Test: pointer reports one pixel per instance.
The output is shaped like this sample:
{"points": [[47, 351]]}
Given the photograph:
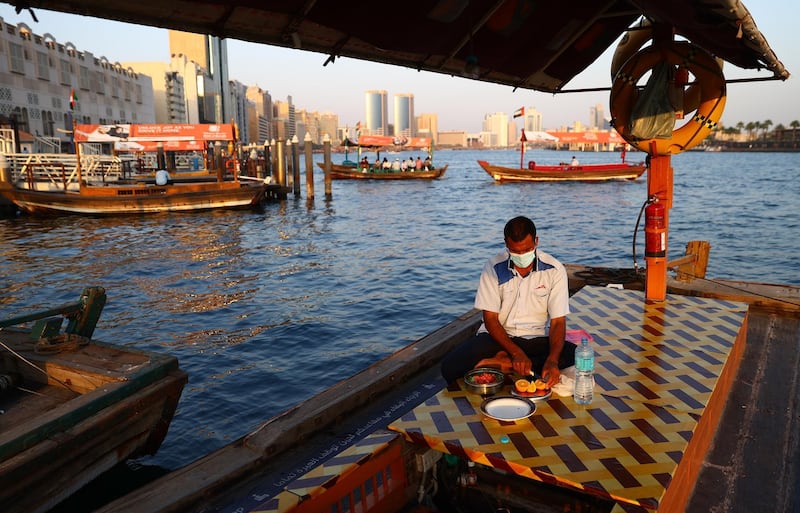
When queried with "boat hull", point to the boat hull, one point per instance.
{"points": [[138, 199], [565, 173], [118, 405], [339, 172]]}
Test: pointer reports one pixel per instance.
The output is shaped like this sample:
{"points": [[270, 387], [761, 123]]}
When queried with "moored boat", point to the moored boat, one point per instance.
{"points": [[97, 185], [565, 172], [71, 408]]}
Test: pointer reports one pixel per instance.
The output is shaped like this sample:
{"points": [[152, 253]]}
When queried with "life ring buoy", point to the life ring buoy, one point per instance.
{"points": [[229, 165], [709, 79], [633, 41]]}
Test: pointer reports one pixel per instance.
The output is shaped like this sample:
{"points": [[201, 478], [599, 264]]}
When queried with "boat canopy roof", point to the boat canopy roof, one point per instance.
{"points": [[149, 137], [530, 45], [397, 142]]}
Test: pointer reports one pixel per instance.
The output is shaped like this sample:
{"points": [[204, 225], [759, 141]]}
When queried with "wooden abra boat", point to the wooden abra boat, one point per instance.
{"points": [[341, 172], [71, 408], [363, 170], [97, 185], [565, 172]]}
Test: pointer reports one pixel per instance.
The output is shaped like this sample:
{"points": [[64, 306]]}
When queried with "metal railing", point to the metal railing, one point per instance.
{"points": [[59, 171]]}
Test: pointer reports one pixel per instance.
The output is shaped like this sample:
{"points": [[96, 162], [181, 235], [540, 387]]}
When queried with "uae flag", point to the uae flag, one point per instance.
{"points": [[519, 112], [73, 99]]}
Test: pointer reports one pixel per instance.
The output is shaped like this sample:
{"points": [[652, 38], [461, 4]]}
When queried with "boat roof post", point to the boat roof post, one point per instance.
{"points": [[659, 185]]}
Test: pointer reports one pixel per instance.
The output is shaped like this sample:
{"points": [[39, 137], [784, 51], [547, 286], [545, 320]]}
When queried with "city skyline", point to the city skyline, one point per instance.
{"points": [[461, 104]]}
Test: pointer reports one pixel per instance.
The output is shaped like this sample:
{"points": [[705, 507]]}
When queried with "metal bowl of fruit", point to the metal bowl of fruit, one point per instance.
{"points": [[484, 380]]}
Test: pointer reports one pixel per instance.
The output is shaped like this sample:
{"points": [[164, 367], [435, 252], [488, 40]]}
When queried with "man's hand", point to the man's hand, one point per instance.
{"points": [[521, 363], [550, 373]]}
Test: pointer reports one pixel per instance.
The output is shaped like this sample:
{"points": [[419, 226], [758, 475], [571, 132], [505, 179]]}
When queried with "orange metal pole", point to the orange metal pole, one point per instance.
{"points": [[659, 183]]}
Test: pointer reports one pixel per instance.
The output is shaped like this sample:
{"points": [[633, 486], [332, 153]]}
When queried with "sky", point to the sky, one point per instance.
{"points": [[460, 103]]}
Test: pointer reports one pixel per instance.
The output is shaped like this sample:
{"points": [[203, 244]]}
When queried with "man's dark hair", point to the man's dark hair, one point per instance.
{"points": [[518, 228]]}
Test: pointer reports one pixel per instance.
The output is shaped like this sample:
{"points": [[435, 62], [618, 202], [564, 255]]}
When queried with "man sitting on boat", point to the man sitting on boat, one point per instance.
{"points": [[519, 290], [574, 162]]}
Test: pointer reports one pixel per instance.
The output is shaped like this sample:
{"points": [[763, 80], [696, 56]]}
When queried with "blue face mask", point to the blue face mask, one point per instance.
{"points": [[523, 259]]}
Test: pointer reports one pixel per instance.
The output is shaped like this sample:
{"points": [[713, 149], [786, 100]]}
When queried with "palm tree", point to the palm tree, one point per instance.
{"points": [[794, 124], [765, 126], [750, 126]]}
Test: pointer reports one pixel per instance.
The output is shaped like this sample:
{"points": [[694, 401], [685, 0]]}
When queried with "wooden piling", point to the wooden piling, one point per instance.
{"points": [[296, 166], [280, 165], [326, 145], [309, 166]]}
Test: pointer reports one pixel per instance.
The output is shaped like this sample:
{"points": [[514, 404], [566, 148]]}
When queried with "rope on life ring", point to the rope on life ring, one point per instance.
{"points": [[710, 80], [633, 41]]}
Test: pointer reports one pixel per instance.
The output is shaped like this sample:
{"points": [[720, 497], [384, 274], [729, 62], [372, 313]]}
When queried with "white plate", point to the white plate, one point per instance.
{"points": [[507, 408]]}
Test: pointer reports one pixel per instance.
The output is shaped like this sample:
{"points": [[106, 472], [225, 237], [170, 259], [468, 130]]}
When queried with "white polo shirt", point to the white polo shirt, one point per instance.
{"points": [[524, 304]]}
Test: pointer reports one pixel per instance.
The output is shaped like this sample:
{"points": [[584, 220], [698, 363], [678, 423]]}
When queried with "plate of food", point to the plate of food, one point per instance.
{"points": [[533, 388], [507, 408]]}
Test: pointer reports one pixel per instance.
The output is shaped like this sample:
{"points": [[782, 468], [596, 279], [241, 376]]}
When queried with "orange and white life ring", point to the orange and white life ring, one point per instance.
{"points": [[633, 41], [709, 79]]}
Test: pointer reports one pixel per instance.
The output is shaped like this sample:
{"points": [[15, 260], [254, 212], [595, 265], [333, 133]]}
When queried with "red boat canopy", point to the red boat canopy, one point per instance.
{"points": [[376, 141], [148, 137]]}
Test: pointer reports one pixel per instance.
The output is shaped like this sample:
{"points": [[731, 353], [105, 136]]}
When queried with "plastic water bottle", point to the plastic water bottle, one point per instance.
{"points": [[584, 373]]}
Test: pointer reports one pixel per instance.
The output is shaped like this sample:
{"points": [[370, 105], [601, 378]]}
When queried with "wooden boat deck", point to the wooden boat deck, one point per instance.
{"points": [[736, 476], [663, 375]]}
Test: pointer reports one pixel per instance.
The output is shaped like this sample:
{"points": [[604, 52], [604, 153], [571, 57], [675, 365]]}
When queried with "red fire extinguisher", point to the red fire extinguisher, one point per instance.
{"points": [[655, 231]]}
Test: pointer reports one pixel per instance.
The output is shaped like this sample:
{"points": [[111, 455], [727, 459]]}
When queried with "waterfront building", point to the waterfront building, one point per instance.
{"points": [[284, 119], [240, 109], [453, 139], [261, 126], [376, 113], [428, 126], [404, 115], [597, 119], [494, 132], [39, 75], [532, 121], [211, 53], [170, 104], [328, 124]]}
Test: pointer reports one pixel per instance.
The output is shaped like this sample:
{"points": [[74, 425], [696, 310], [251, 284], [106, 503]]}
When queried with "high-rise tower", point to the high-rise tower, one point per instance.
{"points": [[404, 115], [376, 112], [211, 53]]}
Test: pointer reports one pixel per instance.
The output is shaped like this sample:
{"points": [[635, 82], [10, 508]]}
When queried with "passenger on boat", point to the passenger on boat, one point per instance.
{"points": [[396, 165], [519, 290], [386, 164], [427, 164], [574, 161], [377, 165], [418, 164], [410, 164], [404, 165]]}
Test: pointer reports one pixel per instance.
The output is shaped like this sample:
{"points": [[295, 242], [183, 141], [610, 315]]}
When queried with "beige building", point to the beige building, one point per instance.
{"points": [[211, 54], [428, 126], [453, 139], [38, 74]]}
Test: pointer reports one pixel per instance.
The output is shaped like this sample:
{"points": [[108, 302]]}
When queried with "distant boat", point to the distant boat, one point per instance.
{"points": [[348, 172], [565, 172], [363, 170]]}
